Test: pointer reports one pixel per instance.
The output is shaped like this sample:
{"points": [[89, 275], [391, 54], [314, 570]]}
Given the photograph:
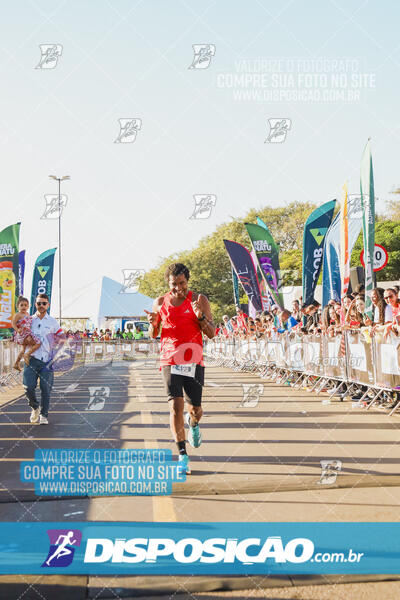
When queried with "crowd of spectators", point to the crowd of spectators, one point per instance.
{"points": [[311, 318], [105, 335]]}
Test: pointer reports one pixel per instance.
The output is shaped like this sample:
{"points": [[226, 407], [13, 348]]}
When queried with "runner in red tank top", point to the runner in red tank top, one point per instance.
{"points": [[184, 316]]}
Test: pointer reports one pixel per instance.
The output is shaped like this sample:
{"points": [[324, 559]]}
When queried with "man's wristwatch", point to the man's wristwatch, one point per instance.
{"points": [[202, 318]]}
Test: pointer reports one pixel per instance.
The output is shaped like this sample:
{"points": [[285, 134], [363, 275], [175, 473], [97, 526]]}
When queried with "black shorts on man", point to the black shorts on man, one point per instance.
{"points": [[178, 386]]}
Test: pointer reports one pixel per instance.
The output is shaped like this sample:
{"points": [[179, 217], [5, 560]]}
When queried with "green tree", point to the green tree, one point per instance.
{"points": [[291, 267], [210, 269], [392, 209], [285, 223]]}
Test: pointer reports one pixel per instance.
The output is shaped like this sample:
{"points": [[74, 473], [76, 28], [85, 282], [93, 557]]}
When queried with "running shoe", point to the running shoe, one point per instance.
{"points": [[184, 463], [194, 435], [35, 415], [43, 420]]}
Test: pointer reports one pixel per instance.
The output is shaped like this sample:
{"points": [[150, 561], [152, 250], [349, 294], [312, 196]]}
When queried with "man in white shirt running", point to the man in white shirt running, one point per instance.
{"points": [[48, 330]]}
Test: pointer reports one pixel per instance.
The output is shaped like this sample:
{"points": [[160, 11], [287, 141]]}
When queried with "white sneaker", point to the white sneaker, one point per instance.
{"points": [[34, 418], [43, 420]]}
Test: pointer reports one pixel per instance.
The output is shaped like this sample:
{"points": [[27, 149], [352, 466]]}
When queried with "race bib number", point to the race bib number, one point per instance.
{"points": [[188, 370]]}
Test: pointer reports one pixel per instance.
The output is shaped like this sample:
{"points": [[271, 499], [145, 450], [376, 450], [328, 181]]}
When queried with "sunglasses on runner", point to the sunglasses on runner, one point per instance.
{"points": [[41, 303], [389, 296]]}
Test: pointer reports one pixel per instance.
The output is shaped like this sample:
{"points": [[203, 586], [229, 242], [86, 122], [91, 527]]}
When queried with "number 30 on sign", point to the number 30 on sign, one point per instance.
{"points": [[381, 258]]}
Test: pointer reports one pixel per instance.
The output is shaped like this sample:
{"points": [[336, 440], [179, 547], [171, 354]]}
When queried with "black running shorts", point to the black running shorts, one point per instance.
{"points": [[178, 386]]}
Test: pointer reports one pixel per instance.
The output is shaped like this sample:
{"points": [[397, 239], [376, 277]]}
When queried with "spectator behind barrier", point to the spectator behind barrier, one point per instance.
{"points": [[286, 321], [391, 297], [269, 325], [241, 320], [360, 307], [227, 324], [353, 318], [330, 320], [296, 313], [383, 313], [313, 319], [260, 330], [275, 315]]}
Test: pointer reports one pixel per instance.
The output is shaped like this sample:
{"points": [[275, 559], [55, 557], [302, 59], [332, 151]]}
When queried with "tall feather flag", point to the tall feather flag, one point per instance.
{"points": [[245, 269], [235, 283], [315, 231], [368, 215], [344, 244], [267, 253]]}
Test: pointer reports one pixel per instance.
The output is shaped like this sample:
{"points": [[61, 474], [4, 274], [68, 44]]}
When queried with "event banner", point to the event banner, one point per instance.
{"points": [[21, 272], [263, 288], [331, 264], [368, 215], [275, 246], [247, 548], [245, 269], [235, 282], [331, 285], [344, 246], [9, 275], [42, 280], [315, 231], [267, 253]]}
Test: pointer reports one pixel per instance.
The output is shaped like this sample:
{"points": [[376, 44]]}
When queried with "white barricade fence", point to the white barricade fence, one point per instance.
{"points": [[354, 358], [78, 353]]}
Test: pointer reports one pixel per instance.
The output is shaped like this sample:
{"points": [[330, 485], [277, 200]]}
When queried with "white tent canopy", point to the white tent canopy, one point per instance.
{"points": [[117, 305]]}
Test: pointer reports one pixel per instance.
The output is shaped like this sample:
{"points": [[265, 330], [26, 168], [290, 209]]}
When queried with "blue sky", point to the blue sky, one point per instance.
{"points": [[129, 204]]}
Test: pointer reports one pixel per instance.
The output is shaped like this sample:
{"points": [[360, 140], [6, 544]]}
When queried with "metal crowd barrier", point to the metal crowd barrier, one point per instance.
{"points": [[353, 362], [78, 353], [94, 352], [8, 354]]}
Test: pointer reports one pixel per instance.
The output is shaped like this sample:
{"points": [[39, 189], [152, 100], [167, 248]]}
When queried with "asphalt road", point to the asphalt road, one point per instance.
{"points": [[260, 459]]}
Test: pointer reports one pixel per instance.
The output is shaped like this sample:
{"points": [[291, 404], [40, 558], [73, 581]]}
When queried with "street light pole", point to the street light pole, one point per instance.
{"points": [[59, 179], [59, 248]]}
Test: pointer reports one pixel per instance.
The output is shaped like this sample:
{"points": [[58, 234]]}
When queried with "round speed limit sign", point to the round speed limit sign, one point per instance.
{"points": [[381, 257]]}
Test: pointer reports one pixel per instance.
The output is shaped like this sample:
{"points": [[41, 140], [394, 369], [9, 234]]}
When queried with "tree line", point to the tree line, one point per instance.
{"points": [[210, 270]]}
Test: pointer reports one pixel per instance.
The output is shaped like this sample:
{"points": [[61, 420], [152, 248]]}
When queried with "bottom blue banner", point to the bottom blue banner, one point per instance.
{"points": [[199, 548]]}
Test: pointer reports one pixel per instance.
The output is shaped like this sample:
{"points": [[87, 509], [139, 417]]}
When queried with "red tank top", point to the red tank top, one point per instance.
{"points": [[181, 338]]}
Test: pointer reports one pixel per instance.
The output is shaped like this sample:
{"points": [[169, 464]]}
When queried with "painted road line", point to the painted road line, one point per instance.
{"points": [[136, 382], [163, 506], [71, 388]]}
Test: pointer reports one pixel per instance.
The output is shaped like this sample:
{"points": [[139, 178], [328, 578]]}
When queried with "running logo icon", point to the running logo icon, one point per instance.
{"points": [[278, 129], [128, 129], [251, 394], [354, 204], [50, 53], [132, 278], [54, 206], [329, 471], [62, 547], [203, 205], [98, 397], [203, 54]]}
